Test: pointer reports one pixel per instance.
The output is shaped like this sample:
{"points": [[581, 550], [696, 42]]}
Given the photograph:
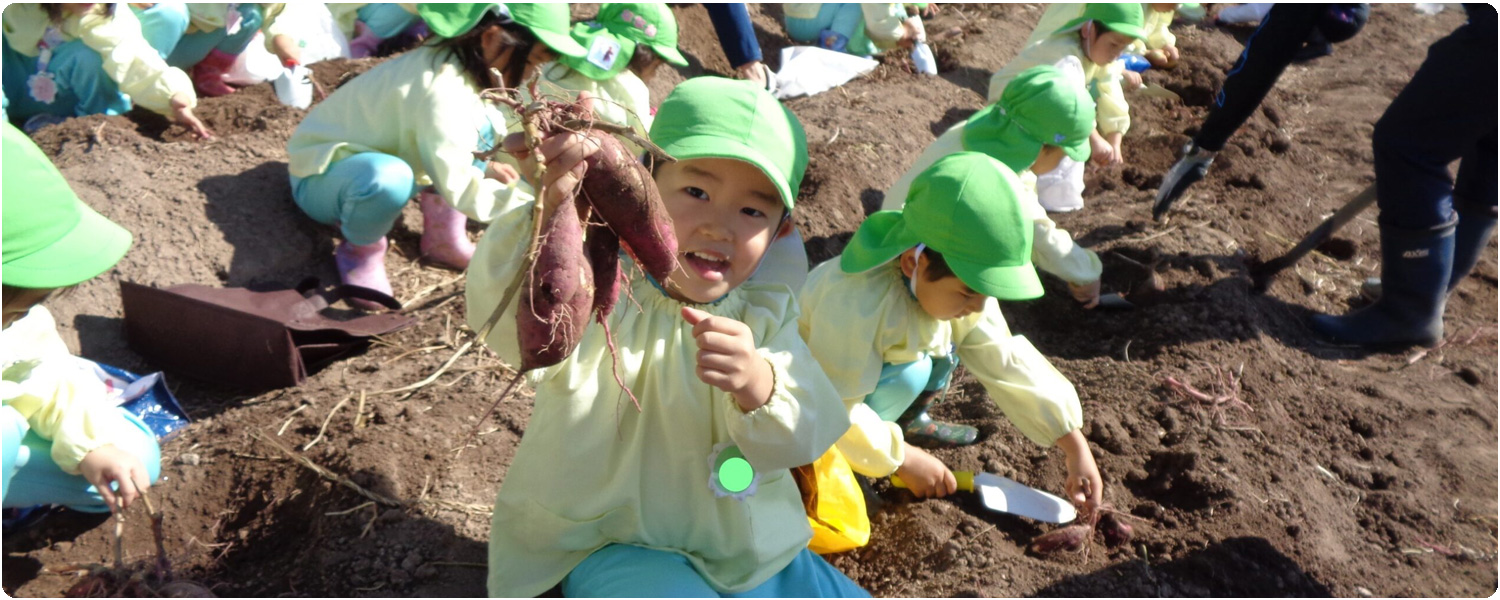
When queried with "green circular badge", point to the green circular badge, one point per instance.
{"points": [[730, 474], [735, 475]]}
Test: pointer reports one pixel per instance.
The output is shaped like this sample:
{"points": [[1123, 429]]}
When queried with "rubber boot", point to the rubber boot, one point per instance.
{"points": [[208, 74], [1469, 239], [1415, 266], [445, 241], [363, 266], [922, 431], [365, 41]]}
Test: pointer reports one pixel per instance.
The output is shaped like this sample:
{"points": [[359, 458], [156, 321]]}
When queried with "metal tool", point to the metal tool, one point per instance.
{"points": [[1009, 496], [1260, 275], [1114, 301]]}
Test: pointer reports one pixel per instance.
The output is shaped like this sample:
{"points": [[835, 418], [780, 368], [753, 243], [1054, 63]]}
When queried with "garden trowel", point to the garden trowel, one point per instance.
{"points": [[1008, 496]]}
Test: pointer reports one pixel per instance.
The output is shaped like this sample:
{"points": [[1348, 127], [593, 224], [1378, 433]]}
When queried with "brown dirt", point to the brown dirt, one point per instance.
{"points": [[1348, 473]]}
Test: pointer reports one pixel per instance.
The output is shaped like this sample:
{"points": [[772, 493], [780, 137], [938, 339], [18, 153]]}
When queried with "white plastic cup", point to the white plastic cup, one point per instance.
{"points": [[294, 87]]}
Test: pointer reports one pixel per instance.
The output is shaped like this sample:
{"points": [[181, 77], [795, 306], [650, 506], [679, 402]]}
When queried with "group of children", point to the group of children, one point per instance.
{"points": [[739, 380]]}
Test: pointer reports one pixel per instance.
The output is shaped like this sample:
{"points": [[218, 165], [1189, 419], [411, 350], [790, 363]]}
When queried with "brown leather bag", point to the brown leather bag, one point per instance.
{"points": [[251, 339]]}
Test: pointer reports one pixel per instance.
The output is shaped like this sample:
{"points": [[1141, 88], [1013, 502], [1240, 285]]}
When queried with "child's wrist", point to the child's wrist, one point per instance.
{"points": [[760, 389]]}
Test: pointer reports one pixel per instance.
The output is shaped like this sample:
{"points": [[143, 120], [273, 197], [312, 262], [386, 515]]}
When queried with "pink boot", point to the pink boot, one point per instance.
{"points": [[363, 266], [364, 43], [444, 239], [208, 74]]}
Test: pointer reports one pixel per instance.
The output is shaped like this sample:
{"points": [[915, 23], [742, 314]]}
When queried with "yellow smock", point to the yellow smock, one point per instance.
{"points": [[419, 107], [856, 323], [1103, 81], [1158, 34], [60, 401], [129, 60], [1052, 249], [591, 470], [623, 100]]}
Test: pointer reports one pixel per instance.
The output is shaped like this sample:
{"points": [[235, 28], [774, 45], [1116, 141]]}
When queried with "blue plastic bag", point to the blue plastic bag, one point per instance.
{"points": [[146, 397]]}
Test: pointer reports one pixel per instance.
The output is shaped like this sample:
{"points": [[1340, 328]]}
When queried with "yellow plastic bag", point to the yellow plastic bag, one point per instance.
{"points": [[835, 504]]}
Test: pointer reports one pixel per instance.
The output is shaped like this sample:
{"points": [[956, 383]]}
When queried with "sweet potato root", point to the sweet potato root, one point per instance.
{"points": [[1069, 539], [604, 257], [558, 294]]}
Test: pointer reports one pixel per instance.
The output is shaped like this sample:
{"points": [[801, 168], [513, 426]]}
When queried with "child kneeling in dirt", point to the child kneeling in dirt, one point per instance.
{"points": [[410, 127], [913, 294], [1095, 38], [63, 442], [627, 43], [858, 29], [612, 501], [1044, 107]]}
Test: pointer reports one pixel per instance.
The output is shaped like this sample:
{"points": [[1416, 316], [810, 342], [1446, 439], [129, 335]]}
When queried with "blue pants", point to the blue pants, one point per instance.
{"points": [[163, 25], [194, 47], [1446, 113], [31, 478], [362, 194], [82, 86], [624, 571], [901, 384], [736, 35], [386, 19], [845, 19]]}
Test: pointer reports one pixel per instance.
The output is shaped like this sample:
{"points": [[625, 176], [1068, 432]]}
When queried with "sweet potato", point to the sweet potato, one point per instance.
{"points": [[1116, 531], [624, 195], [1070, 539], [558, 294], [604, 257]]}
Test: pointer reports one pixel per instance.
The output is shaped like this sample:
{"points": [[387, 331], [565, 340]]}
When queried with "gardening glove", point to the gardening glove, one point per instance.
{"points": [[1192, 167]]}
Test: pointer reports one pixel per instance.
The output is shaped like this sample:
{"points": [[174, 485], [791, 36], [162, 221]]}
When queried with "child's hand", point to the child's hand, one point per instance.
{"points": [[1132, 80], [563, 154], [1103, 153], [925, 475], [1115, 139], [501, 172], [185, 116], [727, 358], [1085, 487], [1087, 294], [108, 464]]}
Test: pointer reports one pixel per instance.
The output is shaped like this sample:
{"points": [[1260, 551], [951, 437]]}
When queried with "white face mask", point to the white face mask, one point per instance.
{"points": [[916, 262]]}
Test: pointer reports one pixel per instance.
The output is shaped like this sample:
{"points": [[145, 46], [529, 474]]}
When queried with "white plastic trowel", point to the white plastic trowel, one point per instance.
{"points": [[1009, 496]]}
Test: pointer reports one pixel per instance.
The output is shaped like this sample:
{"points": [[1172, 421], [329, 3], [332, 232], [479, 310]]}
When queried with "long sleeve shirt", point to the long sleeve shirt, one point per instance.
{"points": [[1158, 32], [856, 323], [591, 470], [621, 100], [60, 401], [1113, 114], [419, 107], [1052, 249], [128, 59]]}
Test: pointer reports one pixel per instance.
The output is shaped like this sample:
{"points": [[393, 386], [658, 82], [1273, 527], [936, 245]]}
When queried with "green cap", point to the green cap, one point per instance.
{"points": [[966, 207], [714, 117], [647, 24], [548, 22], [1123, 17], [51, 239], [606, 54], [1043, 105]]}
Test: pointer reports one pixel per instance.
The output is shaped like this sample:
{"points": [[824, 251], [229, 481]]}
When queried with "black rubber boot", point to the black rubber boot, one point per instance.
{"points": [[1469, 239], [922, 431], [1414, 289]]}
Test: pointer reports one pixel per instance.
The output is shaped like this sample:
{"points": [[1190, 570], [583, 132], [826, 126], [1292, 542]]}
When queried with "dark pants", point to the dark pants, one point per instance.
{"points": [[1446, 113], [1273, 46], [736, 35]]}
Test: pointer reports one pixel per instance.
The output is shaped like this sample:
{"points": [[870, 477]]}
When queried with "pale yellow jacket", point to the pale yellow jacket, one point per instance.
{"points": [[856, 323], [422, 110], [591, 470], [60, 401], [1158, 34], [1052, 249], [129, 60], [622, 100], [1113, 114], [882, 19]]}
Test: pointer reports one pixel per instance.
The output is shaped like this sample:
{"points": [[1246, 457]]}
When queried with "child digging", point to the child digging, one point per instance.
{"points": [[912, 295], [410, 127], [691, 495], [63, 442], [1095, 38], [1045, 107]]}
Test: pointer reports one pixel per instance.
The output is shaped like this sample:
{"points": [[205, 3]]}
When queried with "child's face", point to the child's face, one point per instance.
{"points": [[1104, 48], [944, 299], [725, 213], [17, 301]]}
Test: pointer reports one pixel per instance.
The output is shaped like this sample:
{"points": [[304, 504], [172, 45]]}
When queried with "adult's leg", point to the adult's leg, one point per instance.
{"points": [[736, 35], [625, 571], [1474, 198]]}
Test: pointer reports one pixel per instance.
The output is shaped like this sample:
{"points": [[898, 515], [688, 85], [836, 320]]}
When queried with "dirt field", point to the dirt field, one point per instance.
{"points": [[1349, 474]]}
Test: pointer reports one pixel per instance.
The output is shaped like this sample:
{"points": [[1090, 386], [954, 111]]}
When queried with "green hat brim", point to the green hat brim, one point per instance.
{"points": [[92, 247], [718, 146], [1135, 31], [670, 54], [884, 236], [1079, 151], [561, 43]]}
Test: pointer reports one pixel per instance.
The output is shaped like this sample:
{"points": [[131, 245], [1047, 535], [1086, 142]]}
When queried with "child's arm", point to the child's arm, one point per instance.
{"points": [[1113, 113], [138, 68], [447, 127], [787, 413], [885, 24], [1085, 487], [1054, 251]]}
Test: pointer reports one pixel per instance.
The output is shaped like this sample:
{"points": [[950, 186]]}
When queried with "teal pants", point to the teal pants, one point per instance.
{"points": [[386, 19], [624, 571], [844, 19], [362, 194], [194, 47], [31, 478], [83, 88], [900, 384]]}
